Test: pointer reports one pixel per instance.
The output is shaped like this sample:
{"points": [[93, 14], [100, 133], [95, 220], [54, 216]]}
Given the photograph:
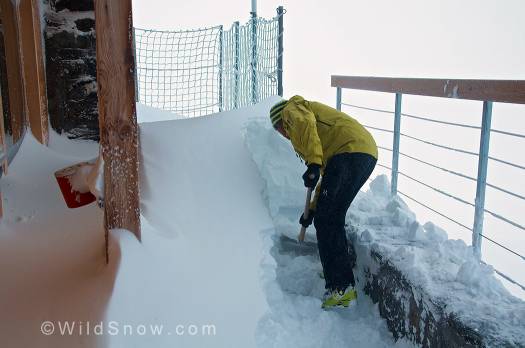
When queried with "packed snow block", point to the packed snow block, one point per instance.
{"points": [[70, 46], [411, 312]]}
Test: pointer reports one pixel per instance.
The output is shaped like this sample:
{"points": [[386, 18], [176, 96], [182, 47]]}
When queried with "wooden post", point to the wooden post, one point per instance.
{"points": [[3, 152], [10, 19], [3, 142], [33, 69], [118, 119]]}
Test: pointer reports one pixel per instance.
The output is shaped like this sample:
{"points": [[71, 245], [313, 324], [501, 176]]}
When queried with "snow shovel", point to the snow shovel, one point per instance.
{"points": [[305, 214]]}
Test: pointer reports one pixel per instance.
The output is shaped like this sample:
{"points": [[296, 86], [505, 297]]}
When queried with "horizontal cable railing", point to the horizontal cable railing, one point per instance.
{"points": [[436, 189], [509, 279], [504, 219], [367, 108], [508, 133], [434, 210], [506, 162], [414, 117], [439, 145], [488, 91]]}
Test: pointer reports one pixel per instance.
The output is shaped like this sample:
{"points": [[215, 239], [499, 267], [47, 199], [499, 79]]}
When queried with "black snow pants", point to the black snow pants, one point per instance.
{"points": [[344, 175]]}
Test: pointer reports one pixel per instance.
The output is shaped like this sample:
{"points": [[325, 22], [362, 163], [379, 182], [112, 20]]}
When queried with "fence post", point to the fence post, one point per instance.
{"points": [[137, 97], [254, 57], [338, 99], [483, 159], [236, 64], [280, 12], [221, 63], [397, 137], [117, 116]]}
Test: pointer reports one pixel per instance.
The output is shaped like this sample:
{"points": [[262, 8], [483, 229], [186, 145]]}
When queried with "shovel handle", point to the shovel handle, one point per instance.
{"points": [[305, 214]]}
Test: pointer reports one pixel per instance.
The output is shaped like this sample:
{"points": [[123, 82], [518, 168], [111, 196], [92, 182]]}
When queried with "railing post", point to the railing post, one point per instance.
{"points": [[254, 57], [338, 99], [280, 49], [236, 64], [395, 148], [221, 63], [483, 159]]}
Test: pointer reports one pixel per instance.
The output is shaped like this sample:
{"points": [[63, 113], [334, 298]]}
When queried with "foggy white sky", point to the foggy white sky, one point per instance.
{"points": [[446, 38], [406, 38]]}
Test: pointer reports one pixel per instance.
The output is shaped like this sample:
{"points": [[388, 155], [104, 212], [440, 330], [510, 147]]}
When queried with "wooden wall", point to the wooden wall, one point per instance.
{"points": [[33, 69]]}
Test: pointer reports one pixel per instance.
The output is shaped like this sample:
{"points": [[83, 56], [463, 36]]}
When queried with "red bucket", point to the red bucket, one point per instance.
{"points": [[73, 198]]}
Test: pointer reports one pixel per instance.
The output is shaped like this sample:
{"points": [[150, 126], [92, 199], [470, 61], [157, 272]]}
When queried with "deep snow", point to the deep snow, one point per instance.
{"points": [[211, 253]]}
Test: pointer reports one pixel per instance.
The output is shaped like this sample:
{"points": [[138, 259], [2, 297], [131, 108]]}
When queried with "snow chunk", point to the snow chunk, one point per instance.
{"points": [[416, 232], [381, 186], [479, 278], [435, 233]]}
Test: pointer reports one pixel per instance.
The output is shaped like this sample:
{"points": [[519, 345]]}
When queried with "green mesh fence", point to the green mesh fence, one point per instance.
{"points": [[199, 72]]}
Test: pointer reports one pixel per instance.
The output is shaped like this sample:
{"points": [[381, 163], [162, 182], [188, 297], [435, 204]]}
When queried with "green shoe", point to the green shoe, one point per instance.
{"points": [[337, 298]]}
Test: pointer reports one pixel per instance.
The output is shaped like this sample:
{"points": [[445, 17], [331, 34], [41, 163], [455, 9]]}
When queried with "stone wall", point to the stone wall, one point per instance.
{"points": [[70, 47], [411, 313]]}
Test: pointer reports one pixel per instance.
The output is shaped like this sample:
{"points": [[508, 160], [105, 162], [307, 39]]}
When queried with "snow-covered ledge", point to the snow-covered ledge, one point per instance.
{"points": [[429, 289]]}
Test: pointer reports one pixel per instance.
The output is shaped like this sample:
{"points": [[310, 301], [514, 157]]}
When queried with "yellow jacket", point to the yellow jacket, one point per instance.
{"points": [[318, 132]]}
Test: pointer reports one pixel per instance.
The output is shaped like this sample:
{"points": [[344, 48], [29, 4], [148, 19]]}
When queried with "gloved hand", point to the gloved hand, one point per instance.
{"points": [[308, 221], [311, 176]]}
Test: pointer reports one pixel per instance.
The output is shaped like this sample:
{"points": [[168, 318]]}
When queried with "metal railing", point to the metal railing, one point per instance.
{"points": [[487, 91], [203, 71]]}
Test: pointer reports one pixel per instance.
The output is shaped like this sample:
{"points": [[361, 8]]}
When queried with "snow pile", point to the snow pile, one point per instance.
{"points": [[445, 269], [146, 114]]}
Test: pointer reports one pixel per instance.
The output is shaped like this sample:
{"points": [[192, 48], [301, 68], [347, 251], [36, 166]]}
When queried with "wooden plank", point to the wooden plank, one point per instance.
{"points": [[3, 149], [3, 142], [502, 91], [10, 20], [33, 69], [118, 119]]}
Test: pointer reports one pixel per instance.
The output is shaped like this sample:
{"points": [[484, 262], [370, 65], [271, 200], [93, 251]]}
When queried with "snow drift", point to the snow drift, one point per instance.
{"points": [[217, 194]]}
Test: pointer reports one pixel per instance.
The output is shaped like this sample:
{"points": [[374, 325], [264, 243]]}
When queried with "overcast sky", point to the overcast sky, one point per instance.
{"points": [[446, 38], [478, 39]]}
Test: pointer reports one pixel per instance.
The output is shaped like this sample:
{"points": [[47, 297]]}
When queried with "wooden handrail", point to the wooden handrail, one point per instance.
{"points": [[502, 91]]}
